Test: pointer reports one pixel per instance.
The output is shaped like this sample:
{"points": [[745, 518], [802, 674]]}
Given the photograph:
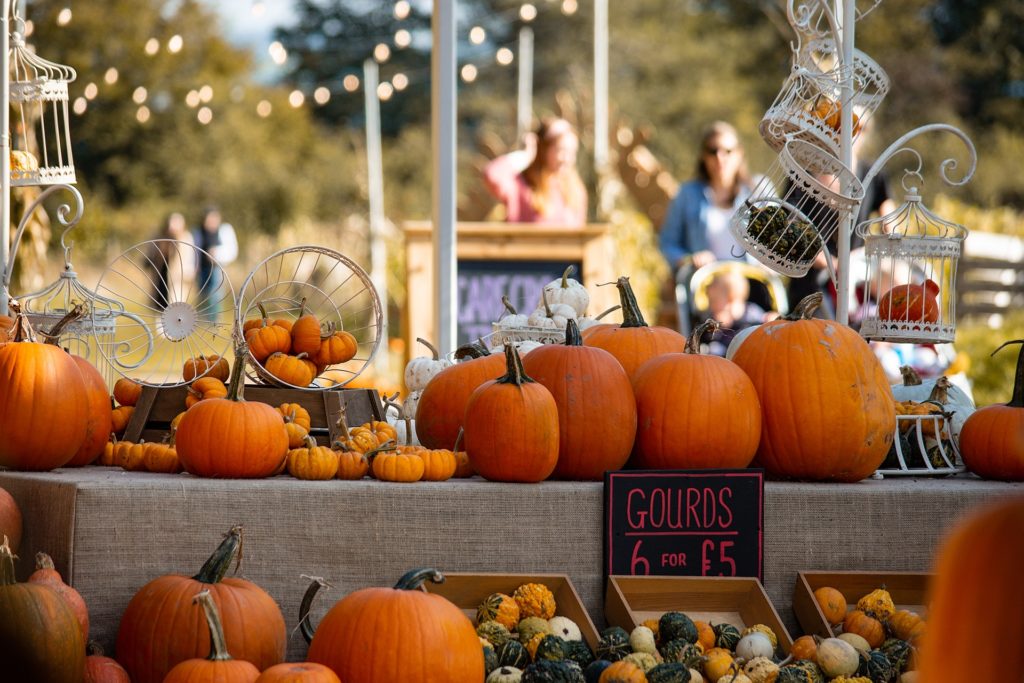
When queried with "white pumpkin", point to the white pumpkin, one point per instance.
{"points": [[953, 398], [696, 676], [755, 644], [566, 628], [419, 371], [837, 658], [513, 319], [566, 290], [411, 402], [523, 347], [551, 317], [400, 416], [642, 640], [738, 339], [585, 322], [857, 641]]}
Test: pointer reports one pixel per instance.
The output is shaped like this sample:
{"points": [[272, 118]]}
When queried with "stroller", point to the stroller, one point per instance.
{"points": [[767, 290]]}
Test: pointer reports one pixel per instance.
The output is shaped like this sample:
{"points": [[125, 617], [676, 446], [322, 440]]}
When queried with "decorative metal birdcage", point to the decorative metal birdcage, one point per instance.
{"points": [[41, 137], [808, 105], [814, 19], [923, 446], [908, 290], [796, 208]]}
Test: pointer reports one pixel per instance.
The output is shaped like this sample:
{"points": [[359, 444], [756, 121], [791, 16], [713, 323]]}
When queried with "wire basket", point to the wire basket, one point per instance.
{"points": [[319, 281], [910, 280], [542, 335], [796, 208], [922, 447], [808, 105]]}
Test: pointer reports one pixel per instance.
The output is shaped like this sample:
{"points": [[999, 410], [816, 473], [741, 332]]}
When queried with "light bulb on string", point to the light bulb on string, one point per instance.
{"points": [[296, 99], [403, 38], [142, 114], [264, 108], [400, 81], [278, 53], [205, 93], [80, 105], [528, 12], [384, 91], [504, 56], [350, 83], [192, 99], [152, 46], [569, 7], [477, 35], [469, 73], [322, 95], [91, 91], [205, 115], [382, 52], [139, 95], [175, 44], [111, 76], [402, 9], [64, 17]]}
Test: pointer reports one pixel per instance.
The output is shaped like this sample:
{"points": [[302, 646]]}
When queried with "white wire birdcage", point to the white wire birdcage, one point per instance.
{"points": [[41, 135], [816, 18], [922, 447], [909, 285], [808, 105], [796, 208]]}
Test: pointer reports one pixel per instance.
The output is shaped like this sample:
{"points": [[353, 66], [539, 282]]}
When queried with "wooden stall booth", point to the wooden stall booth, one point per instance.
{"points": [[515, 259]]}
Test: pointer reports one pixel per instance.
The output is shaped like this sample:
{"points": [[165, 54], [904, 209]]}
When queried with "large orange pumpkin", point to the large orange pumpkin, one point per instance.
{"points": [[387, 635], [827, 409], [219, 666], [511, 430], [100, 421], [975, 630], [695, 411], [46, 574], [229, 437], [633, 342], [39, 381], [442, 404], [992, 438], [10, 520], [40, 639], [596, 409], [161, 627]]}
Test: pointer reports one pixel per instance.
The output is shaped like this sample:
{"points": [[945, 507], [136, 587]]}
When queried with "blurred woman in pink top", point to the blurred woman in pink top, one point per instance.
{"points": [[540, 184]]}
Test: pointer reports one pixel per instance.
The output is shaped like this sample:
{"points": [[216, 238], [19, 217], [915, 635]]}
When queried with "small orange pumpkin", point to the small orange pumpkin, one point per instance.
{"points": [[438, 464], [867, 627], [306, 333], [906, 625], [312, 462], [127, 391], [46, 574], [832, 604], [804, 647], [206, 366], [623, 672], [204, 388], [294, 370], [264, 341], [338, 347], [161, 457], [119, 418], [389, 464]]}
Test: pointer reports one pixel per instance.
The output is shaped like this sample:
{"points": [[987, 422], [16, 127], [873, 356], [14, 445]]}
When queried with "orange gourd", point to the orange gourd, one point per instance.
{"points": [[623, 672], [442, 405], [39, 381], [219, 666], [100, 419], [46, 574], [230, 437], [301, 672], [127, 391], [511, 426], [352, 465], [695, 411], [162, 627], [389, 464], [804, 647], [40, 638], [975, 630], [867, 627], [827, 409], [597, 413], [906, 625], [206, 366], [424, 637], [992, 438], [705, 634], [910, 303], [633, 342], [832, 604]]}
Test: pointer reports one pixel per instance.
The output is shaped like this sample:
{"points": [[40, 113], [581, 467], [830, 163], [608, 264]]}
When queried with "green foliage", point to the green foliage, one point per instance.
{"points": [[992, 376]]}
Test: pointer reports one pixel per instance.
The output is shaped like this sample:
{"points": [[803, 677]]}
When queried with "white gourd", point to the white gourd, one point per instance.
{"points": [[420, 370], [955, 400], [566, 290], [753, 645], [837, 658], [585, 322], [552, 317], [513, 319], [565, 628], [400, 416]]}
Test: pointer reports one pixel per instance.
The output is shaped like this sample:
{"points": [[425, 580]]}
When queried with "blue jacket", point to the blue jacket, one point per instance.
{"points": [[684, 230]]}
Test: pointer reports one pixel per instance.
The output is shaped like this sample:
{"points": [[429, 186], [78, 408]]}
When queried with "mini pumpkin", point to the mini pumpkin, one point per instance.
{"points": [[267, 340], [501, 608], [906, 625], [992, 438], [46, 574], [623, 671], [352, 465], [388, 464], [306, 333], [161, 457], [297, 370], [127, 391], [206, 366], [419, 371], [298, 672], [832, 604], [864, 625], [312, 462], [568, 291], [336, 347], [535, 600], [204, 388]]}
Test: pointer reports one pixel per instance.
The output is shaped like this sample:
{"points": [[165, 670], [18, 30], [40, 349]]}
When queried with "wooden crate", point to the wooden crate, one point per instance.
{"points": [[740, 601], [157, 406], [908, 590], [467, 591]]}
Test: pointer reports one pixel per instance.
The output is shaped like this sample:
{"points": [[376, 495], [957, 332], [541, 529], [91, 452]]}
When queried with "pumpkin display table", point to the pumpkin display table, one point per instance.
{"points": [[111, 531]]}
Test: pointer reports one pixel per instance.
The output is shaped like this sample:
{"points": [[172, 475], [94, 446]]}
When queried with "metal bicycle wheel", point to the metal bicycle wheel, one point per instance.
{"points": [[176, 303], [319, 281]]}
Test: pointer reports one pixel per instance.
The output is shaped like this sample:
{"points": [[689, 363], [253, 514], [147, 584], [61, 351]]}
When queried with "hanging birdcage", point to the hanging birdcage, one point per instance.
{"points": [[815, 19], [796, 208], [40, 135], [808, 105], [909, 286]]}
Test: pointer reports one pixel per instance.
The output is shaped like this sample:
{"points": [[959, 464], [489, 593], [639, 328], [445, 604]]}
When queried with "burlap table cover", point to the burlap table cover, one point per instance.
{"points": [[111, 531]]}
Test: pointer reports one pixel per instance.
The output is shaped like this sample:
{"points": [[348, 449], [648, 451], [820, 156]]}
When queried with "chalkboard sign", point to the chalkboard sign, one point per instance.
{"points": [[684, 522], [481, 284]]}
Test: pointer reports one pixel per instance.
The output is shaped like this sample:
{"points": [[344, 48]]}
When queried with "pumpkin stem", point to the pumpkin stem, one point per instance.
{"points": [[910, 376], [544, 302], [458, 440], [6, 564], [610, 310], [413, 579], [44, 561], [76, 313], [631, 315], [693, 343], [805, 309], [217, 565], [94, 649], [302, 308], [508, 305], [263, 313], [514, 371], [342, 422], [433, 349], [388, 445], [218, 643], [1017, 400], [572, 333], [23, 330], [472, 350], [309, 441], [566, 275], [307, 629], [236, 383], [940, 391]]}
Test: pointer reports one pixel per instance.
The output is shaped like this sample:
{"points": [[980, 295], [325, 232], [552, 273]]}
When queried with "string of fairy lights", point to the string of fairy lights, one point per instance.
{"points": [[202, 98]]}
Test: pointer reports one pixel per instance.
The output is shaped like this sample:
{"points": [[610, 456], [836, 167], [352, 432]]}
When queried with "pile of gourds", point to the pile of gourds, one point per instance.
{"points": [[297, 351], [876, 640]]}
